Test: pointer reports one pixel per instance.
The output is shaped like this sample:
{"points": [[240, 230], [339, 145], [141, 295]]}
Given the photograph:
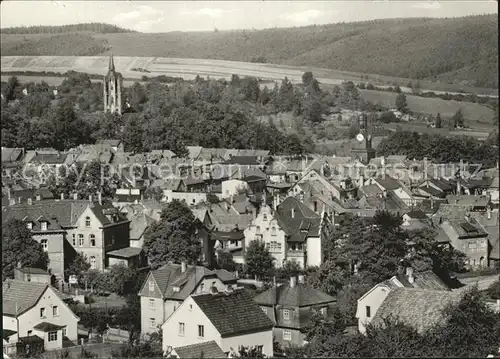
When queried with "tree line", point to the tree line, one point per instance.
{"points": [[96, 27]]}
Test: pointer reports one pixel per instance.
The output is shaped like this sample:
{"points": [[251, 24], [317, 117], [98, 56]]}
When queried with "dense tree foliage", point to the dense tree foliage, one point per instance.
{"points": [[19, 248], [258, 260], [439, 149], [174, 238], [79, 266], [96, 27]]}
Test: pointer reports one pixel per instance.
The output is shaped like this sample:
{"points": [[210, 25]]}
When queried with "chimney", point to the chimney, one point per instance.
{"points": [[488, 212], [38, 197], [75, 196], [30, 201], [301, 279], [62, 196], [183, 267], [293, 212], [293, 282], [409, 274], [99, 197]]}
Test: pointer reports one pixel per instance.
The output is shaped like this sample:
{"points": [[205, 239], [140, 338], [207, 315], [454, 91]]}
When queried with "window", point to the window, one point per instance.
{"points": [[368, 311], [28, 277], [30, 332], [315, 206], [264, 309], [152, 323], [259, 348], [265, 217], [29, 225], [201, 331], [287, 334], [472, 246], [45, 244], [151, 285], [55, 311], [42, 312], [151, 304], [286, 314], [92, 240], [44, 226], [323, 311], [273, 231], [182, 327], [64, 332], [202, 287], [87, 221], [81, 240], [93, 263], [257, 230], [52, 336], [74, 239]]}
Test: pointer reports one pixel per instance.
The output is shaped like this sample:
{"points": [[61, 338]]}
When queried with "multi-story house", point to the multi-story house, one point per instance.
{"points": [[291, 233], [166, 288], [230, 318], [370, 302], [65, 227], [35, 311], [289, 306]]}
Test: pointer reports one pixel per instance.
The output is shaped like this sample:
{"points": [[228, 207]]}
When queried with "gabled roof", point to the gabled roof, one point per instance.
{"points": [[423, 280], [298, 296], [49, 158], [33, 270], [416, 214], [201, 350], [243, 160], [170, 276], [468, 200], [48, 327], [371, 190], [303, 217], [388, 183], [11, 154], [418, 308], [233, 313], [25, 294]]}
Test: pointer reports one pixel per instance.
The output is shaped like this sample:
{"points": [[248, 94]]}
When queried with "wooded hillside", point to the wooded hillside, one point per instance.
{"points": [[460, 50]]}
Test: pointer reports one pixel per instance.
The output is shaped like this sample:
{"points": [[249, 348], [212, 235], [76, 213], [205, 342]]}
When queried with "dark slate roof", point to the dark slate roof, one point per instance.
{"points": [[389, 183], [59, 213], [225, 276], [33, 270], [226, 236], [205, 350], [233, 313], [48, 327], [303, 218], [127, 252], [170, 276], [371, 190], [54, 159], [418, 308], [6, 333], [416, 214], [424, 280], [25, 294], [243, 160], [298, 296]]}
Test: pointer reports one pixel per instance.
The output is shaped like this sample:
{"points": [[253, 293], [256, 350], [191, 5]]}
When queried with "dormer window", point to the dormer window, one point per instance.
{"points": [[29, 225], [176, 289], [87, 221], [43, 226]]}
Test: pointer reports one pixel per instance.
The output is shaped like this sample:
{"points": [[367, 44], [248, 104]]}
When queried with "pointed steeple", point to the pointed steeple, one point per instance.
{"points": [[111, 66]]}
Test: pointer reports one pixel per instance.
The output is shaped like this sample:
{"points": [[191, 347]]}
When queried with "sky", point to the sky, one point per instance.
{"points": [[165, 16]]}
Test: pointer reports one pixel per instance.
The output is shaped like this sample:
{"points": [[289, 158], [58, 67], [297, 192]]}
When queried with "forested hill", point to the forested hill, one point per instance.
{"points": [[96, 27], [458, 50]]}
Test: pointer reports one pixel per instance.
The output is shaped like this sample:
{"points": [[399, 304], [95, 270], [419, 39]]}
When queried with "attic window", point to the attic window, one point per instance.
{"points": [[29, 225], [176, 289], [87, 221], [43, 226], [151, 286]]}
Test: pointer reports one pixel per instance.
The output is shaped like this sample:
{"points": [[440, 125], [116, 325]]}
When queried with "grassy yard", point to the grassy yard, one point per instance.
{"points": [[477, 115], [420, 128]]}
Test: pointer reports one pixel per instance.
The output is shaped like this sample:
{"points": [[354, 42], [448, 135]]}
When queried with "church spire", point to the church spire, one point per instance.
{"points": [[111, 66]]}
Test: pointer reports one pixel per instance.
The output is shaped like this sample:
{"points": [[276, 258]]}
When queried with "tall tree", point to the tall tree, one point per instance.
{"points": [[458, 119], [401, 103], [258, 260], [19, 248], [174, 238], [439, 121]]}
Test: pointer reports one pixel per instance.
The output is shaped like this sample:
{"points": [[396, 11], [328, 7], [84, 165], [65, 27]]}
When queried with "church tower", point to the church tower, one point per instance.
{"points": [[113, 83], [364, 151]]}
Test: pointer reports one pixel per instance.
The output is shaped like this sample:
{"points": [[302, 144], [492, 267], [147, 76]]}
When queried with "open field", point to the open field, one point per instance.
{"points": [[189, 68], [475, 114], [480, 134]]}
